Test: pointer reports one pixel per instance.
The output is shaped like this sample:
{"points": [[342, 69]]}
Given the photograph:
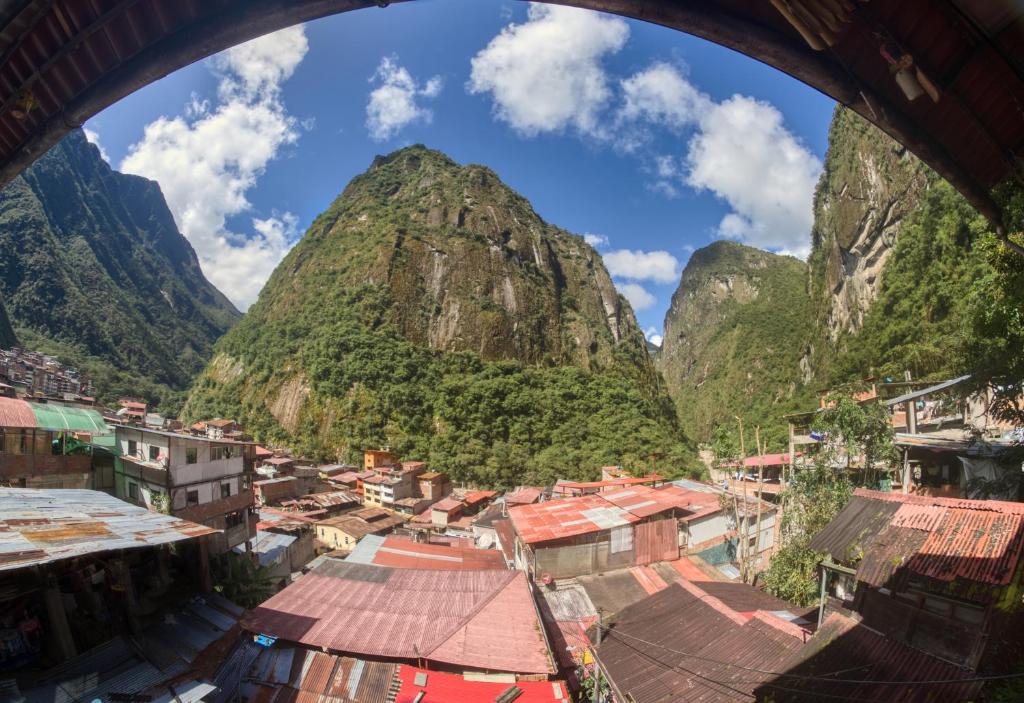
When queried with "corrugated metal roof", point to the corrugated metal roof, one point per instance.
{"points": [[16, 413], [677, 621], [860, 653], [914, 395], [892, 535], [38, 526], [441, 687], [524, 496], [405, 554], [270, 547], [476, 619]]}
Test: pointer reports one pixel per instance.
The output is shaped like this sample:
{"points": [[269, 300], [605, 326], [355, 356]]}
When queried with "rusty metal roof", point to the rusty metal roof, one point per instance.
{"points": [[675, 646], [861, 653], [441, 687], [406, 554], [891, 536], [474, 619], [38, 526]]}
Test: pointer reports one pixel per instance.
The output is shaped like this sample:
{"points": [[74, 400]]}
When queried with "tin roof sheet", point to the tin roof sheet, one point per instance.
{"points": [[674, 645], [15, 412], [441, 687], [38, 526], [524, 496], [447, 505], [567, 517], [861, 653], [270, 547], [406, 554], [891, 535], [476, 619]]}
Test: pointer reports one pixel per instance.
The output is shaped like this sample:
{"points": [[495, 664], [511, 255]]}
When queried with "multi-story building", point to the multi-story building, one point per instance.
{"points": [[391, 484], [374, 459], [194, 478], [41, 375]]}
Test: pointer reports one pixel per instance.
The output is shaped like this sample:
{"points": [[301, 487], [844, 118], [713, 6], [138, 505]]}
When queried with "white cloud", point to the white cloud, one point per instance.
{"points": [[207, 160], [744, 154], [661, 95], [656, 266], [94, 139], [546, 75], [394, 102], [637, 295], [596, 240], [653, 336]]}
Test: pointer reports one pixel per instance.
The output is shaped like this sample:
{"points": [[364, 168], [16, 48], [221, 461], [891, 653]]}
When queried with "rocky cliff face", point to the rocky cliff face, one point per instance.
{"points": [[869, 186], [93, 268], [444, 265], [733, 336]]}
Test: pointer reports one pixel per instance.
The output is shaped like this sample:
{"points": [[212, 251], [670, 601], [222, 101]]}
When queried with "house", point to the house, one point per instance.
{"points": [[938, 574], [133, 411], [345, 531], [218, 428], [272, 491], [49, 445], [403, 553], [445, 511], [282, 553], [763, 475], [626, 526], [76, 564], [524, 495], [390, 484], [195, 478], [374, 459], [462, 620]]}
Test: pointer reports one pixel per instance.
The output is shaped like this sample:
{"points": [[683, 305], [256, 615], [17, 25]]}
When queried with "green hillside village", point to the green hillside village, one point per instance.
{"points": [[438, 459]]}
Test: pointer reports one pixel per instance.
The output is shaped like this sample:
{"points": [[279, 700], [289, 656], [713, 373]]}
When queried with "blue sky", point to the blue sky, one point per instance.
{"points": [[651, 141]]}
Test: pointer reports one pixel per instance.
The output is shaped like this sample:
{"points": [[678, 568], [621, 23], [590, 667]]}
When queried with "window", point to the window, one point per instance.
{"points": [[154, 452], [192, 498], [15, 441], [218, 453], [225, 490], [133, 447], [191, 455], [233, 519], [133, 490]]}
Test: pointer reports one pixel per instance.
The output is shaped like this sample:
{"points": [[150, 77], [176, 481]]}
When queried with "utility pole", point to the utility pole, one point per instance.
{"points": [[760, 490], [597, 666], [742, 523]]}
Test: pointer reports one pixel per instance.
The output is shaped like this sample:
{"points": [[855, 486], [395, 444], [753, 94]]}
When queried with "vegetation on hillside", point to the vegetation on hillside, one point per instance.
{"points": [[430, 310], [94, 271], [733, 341]]}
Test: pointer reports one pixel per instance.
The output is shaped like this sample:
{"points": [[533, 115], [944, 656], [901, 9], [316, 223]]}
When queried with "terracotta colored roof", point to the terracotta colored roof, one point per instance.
{"points": [[568, 517], [219, 422], [279, 460], [627, 481], [474, 619], [843, 645], [643, 501], [263, 452], [346, 477], [447, 505], [16, 413], [358, 528], [406, 554], [524, 496], [892, 535], [689, 633], [506, 538], [473, 497], [374, 479], [430, 475], [440, 687], [330, 499]]}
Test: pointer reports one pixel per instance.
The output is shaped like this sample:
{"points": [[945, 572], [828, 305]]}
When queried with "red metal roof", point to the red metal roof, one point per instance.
{"points": [[766, 460], [279, 460], [643, 501], [475, 619], [440, 687], [447, 505], [263, 452], [474, 497], [524, 496], [16, 413], [567, 517], [405, 554]]}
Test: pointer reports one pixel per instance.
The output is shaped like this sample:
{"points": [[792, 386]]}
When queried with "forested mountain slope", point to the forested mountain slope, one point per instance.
{"points": [[94, 269], [430, 309]]}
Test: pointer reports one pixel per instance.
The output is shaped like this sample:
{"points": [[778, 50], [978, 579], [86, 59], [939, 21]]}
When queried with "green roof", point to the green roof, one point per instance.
{"points": [[59, 417]]}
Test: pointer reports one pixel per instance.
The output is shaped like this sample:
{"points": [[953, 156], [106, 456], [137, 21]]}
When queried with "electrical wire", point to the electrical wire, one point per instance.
{"points": [[972, 679]]}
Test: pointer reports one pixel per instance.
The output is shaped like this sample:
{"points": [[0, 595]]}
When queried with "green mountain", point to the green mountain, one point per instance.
{"points": [[94, 270], [734, 337], [7, 337], [432, 310], [902, 276]]}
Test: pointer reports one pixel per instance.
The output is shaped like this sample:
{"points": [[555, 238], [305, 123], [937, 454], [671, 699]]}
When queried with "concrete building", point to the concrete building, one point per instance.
{"points": [[377, 459], [194, 478]]}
